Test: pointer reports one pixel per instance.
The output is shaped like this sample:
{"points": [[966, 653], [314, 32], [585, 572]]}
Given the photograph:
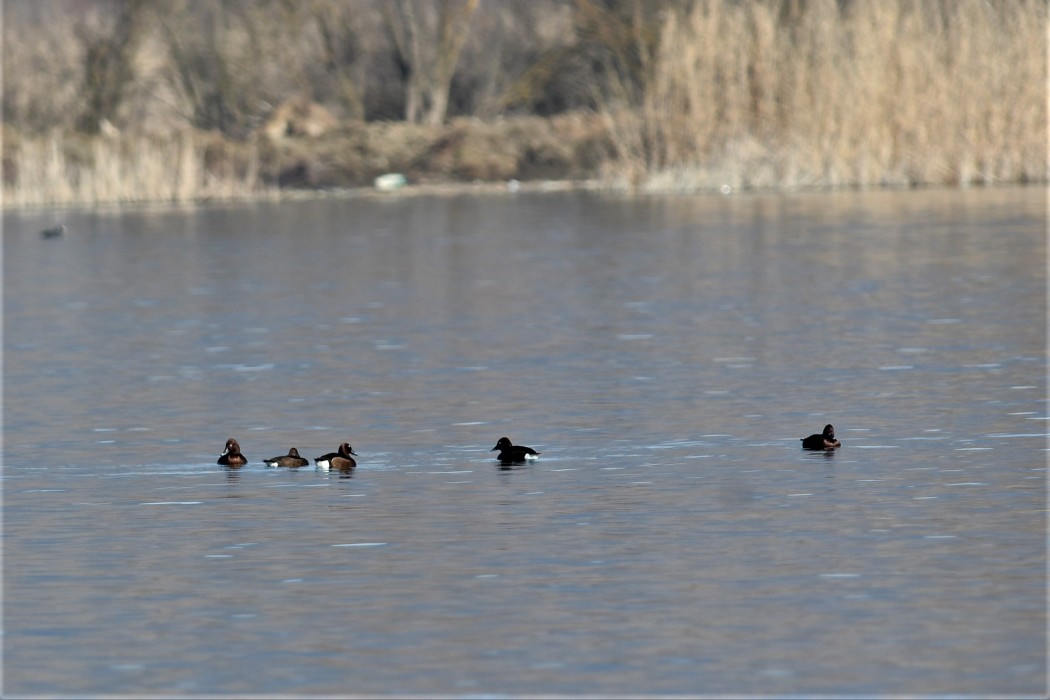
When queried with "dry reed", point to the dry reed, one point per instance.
{"points": [[866, 93], [768, 93], [69, 170]]}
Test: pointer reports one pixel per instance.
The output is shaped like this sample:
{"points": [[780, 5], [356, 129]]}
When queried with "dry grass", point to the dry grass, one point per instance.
{"points": [[74, 170], [876, 92], [761, 94], [189, 166], [566, 146]]}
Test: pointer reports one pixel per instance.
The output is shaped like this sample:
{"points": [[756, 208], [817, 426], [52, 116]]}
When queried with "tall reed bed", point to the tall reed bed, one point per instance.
{"points": [[69, 170], [821, 93]]}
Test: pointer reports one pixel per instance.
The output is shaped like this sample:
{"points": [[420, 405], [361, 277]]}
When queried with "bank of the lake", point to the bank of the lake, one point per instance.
{"points": [[75, 169], [571, 151]]}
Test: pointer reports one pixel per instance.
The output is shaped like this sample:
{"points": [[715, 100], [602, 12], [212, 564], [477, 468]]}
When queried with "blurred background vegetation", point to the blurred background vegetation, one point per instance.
{"points": [[122, 100]]}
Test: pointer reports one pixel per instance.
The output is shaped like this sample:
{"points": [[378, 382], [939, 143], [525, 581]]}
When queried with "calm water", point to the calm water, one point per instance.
{"points": [[664, 354]]}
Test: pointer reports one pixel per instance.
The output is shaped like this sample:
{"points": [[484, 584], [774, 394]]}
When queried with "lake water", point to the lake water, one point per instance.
{"points": [[665, 354]]}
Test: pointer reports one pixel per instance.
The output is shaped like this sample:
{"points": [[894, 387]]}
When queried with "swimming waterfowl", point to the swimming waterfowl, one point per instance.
{"points": [[232, 456], [54, 231], [824, 441], [292, 459], [338, 460], [513, 454]]}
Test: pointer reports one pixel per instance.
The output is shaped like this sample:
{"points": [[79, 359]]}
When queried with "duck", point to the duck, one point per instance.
{"points": [[340, 460], [292, 459], [510, 453], [232, 456], [823, 441], [54, 232]]}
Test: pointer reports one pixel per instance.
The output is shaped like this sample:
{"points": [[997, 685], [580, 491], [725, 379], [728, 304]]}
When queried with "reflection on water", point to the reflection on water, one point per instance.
{"points": [[664, 354]]}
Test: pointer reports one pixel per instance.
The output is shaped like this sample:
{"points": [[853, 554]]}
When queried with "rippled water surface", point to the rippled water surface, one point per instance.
{"points": [[664, 354]]}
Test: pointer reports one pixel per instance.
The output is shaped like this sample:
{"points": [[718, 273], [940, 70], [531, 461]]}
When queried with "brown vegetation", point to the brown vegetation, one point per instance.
{"points": [[129, 100], [859, 93], [80, 169], [570, 146]]}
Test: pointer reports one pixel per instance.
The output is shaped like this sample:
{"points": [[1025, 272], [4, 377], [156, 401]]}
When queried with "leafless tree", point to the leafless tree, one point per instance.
{"points": [[108, 56], [340, 48], [428, 37]]}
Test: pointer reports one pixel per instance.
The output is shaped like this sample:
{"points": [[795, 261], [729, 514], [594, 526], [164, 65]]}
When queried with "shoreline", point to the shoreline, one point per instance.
{"points": [[445, 189], [511, 188], [527, 154], [666, 103]]}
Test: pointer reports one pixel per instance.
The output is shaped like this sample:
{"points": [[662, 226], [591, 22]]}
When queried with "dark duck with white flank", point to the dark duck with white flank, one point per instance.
{"points": [[510, 453], [292, 459], [340, 460], [823, 441]]}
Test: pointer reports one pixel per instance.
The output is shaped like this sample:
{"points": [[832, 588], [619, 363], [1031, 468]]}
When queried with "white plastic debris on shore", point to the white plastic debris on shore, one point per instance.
{"points": [[390, 182]]}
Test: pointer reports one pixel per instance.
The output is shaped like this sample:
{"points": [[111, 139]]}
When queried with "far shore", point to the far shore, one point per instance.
{"points": [[510, 188], [390, 159], [639, 98], [431, 189]]}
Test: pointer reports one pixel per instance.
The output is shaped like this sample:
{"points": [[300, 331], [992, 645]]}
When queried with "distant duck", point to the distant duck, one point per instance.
{"points": [[54, 231], [824, 441], [340, 460], [513, 454], [292, 459], [232, 456]]}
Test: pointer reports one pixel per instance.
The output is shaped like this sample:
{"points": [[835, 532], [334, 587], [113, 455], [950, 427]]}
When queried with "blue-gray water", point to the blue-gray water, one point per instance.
{"points": [[664, 354]]}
